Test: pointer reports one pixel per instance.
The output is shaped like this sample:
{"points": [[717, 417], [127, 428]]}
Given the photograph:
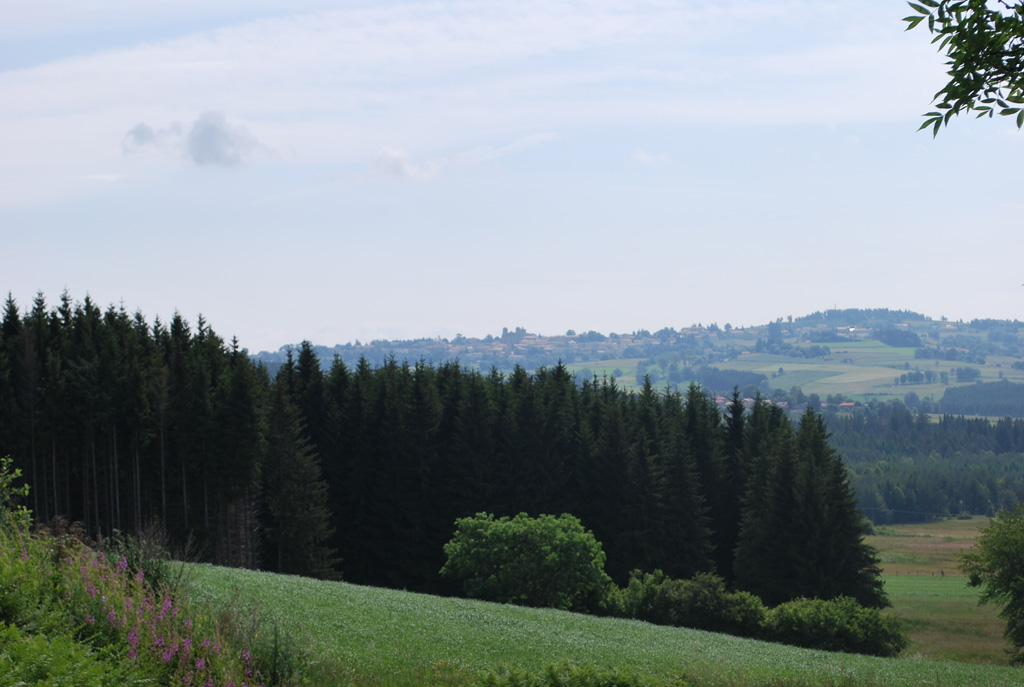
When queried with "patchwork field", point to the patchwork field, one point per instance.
{"points": [[860, 370]]}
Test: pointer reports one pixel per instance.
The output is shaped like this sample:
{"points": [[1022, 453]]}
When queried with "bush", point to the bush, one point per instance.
{"points": [[837, 625], [544, 561], [701, 603]]}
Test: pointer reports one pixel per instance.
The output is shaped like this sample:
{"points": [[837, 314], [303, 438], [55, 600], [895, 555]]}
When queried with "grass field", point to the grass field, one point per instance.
{"points": [[399, 635], [932, 599]]}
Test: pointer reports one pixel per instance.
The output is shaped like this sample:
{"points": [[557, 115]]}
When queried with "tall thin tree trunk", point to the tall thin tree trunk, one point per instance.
{"points": [[67, 486], [32, 449], [206, 501], [227, 516], [56, 499], [116, 479], [184, 494], [138, 485], [95, 481], [85, 486], [40, 486], [163, 481]]}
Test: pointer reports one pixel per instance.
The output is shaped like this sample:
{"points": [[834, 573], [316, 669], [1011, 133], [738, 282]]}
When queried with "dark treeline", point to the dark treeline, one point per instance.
{"points": [[363, 470], [994, 399], [907, 468], [118, 424]]}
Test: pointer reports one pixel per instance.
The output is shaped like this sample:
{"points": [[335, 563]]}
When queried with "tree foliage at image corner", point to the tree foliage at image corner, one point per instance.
{"points": [[984, 41]]}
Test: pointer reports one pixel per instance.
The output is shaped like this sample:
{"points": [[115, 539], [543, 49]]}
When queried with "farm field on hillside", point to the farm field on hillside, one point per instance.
{"points": [[390, 632], [860, 369]]}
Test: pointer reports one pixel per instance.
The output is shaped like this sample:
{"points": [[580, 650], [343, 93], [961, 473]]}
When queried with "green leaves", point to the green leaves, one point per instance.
{"points": [[985, 47], [544, 561]]}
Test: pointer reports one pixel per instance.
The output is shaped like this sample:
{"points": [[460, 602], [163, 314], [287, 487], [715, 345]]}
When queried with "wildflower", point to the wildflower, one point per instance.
{"points": [[122, 565], [89, 619], [200, 663], [24, 554]]}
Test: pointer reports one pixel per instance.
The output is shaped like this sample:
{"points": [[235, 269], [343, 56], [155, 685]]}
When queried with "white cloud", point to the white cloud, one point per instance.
{"points": [[209, 140], [336, 87]]}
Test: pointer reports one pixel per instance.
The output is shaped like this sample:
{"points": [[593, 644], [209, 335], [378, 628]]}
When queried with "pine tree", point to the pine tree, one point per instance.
{"points": [[832, 558], [686, 537], [703, 441], [297, 524]]}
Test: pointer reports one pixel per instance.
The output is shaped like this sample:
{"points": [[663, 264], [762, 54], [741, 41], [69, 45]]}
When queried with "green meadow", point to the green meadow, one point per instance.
{"points": [[938, 609], [382, 636]]}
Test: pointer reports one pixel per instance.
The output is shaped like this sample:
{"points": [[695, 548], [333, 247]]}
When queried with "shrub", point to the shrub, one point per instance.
{"points": [[837, 625], [702, 603], [544, 561]]}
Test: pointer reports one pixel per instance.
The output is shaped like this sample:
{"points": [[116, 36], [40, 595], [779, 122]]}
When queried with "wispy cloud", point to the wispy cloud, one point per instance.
{"points": [[103, 178], [649, 159], [481, 154], [394, 162], [399, 163]]}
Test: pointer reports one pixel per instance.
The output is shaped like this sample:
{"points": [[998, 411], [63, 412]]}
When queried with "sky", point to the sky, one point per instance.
{"points": [[340, 171]]}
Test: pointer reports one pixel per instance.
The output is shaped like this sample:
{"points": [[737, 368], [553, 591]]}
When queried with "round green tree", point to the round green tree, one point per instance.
{"points": [[545, 561]]}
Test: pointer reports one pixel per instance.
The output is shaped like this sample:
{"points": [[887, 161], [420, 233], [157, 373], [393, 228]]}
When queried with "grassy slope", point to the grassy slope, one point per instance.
{"points": [[398, 633]]}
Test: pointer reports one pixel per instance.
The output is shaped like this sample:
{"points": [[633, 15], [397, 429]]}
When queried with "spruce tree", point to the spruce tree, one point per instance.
{"points": [[686, 543], [297, 523], [832, 558]]}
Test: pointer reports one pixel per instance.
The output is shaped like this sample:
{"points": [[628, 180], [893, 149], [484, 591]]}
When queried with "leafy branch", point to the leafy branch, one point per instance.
{"points": [[985, 45]]}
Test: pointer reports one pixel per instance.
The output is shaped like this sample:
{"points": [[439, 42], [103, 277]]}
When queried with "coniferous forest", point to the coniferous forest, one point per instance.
{"points": [[361, 471]]}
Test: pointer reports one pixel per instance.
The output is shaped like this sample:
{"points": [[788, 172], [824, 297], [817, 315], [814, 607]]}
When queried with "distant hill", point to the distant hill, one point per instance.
{"points": [[852, 354]]}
